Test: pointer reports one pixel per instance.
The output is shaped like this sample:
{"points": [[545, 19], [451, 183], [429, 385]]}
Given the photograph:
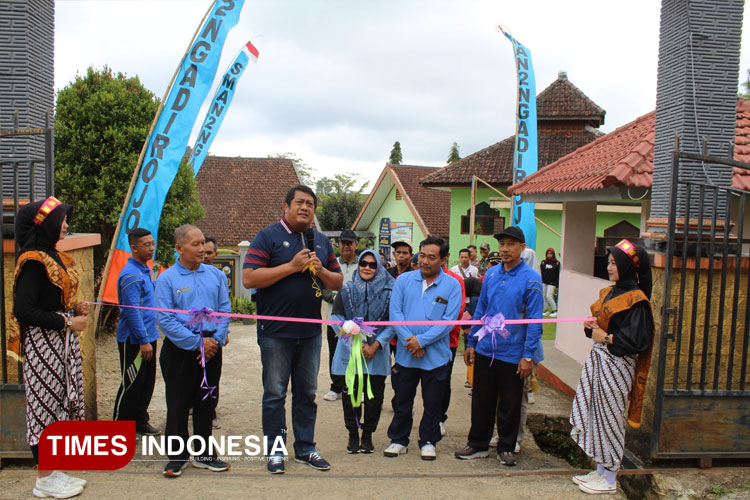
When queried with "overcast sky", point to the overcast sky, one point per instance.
{"points": [[338, 81]]}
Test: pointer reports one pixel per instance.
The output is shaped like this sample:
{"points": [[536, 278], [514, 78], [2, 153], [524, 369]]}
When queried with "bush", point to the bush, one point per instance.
{"points": [[242, 305]]}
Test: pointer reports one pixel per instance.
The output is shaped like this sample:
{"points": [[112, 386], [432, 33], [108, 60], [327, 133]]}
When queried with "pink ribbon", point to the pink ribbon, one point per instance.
{"points": [[468, 322]]}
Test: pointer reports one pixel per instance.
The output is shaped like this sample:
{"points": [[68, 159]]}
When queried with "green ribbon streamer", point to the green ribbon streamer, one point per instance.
{"points": [[354, 370]]}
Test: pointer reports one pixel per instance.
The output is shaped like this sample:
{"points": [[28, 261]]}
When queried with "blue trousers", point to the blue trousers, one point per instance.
{"points": [[405, 381], [298, 359]]}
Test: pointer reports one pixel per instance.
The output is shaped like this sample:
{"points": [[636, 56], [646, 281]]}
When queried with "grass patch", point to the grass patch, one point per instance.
{"points": [[549, 330]]}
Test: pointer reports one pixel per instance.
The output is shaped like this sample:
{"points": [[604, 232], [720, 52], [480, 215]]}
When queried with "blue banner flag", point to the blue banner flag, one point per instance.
{"points": [[525, 158], [221, 101], [169, 135]]}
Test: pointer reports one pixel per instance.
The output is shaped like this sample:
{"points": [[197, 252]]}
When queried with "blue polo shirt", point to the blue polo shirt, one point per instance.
{"points": [[411, 302], [136, 288], [517, 294], [180, 288], [292, 296]]}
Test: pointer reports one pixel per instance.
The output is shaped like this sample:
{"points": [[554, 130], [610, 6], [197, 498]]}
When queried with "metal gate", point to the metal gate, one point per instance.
{"points": [[12, 396], [702, 405]]}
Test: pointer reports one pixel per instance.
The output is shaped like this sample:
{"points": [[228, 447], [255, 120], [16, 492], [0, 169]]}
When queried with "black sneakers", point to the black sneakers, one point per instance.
{"points": [[314, 460], [211, 463], [353, 446], [366, 445], [174, 468], [275, 465], [147, 429]]}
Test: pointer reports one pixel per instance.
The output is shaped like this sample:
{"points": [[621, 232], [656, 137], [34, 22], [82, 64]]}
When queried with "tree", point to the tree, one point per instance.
{"points": [[102, 120], [396, 157], [453, 156], [181, 206], [746, 84], [304, 171], [339, 202]]}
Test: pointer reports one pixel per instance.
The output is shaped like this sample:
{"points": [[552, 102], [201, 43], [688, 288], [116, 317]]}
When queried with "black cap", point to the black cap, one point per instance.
{"points": [[513, 232], [348, 235], [494, 257]]}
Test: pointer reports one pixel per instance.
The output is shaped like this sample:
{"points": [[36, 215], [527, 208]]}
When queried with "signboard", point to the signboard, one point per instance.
{"points": [[384, 242], [401, 230]]}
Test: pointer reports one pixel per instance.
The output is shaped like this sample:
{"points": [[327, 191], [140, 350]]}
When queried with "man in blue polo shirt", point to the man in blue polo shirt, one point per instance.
{"points": [[136, 334], [189, 284], [423, 351], [501, 364], [278, 266]]}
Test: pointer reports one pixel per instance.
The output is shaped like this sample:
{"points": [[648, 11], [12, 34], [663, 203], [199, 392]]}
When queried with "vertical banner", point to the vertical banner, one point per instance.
{"points": [[384, 242], [525, 158], [220, 103], [169, 135]]}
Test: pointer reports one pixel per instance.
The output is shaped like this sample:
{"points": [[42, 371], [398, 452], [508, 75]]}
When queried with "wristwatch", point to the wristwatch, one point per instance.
{"points": [[69, 322], [528, 360], [608, 338]]}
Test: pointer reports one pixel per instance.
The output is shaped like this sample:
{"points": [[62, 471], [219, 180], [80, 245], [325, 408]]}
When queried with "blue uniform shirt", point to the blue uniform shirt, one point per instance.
{"points": [[517, 294], [180, 288], [136, 288], [409, 303]]}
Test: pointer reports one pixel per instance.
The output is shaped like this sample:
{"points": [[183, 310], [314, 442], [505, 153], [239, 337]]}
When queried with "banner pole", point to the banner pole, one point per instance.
{"points": [[137, 169]]}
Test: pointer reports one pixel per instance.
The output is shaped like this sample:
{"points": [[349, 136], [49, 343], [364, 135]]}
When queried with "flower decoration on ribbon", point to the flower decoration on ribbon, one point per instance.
{"points": [[355, 331], [197, 317], [492, 325]]}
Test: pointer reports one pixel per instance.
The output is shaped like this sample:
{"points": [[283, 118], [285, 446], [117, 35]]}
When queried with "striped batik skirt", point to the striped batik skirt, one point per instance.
{"points": [[53, 378], [598, 413]]}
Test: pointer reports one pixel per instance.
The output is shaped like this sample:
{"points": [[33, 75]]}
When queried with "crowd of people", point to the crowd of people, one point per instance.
{"points": [[293, 268]]}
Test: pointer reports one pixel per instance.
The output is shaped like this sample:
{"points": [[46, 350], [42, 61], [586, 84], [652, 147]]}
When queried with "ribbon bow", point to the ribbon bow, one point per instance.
{"points": [[197, 317], [490, 326], [355, 331]]}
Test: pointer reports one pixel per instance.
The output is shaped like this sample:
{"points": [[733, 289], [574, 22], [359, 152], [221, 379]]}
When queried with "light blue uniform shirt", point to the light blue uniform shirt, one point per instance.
{"points": [[409, 303], [180, 288]]}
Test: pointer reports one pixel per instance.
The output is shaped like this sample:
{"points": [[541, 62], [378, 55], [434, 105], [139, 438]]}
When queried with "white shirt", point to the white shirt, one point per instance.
{"points": [[465, 272]]}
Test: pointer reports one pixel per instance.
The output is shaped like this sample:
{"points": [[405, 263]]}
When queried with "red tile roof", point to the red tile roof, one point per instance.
{"points": [[242, 195], [625, 157], [433, 206], [564, 101], [565, 117]]}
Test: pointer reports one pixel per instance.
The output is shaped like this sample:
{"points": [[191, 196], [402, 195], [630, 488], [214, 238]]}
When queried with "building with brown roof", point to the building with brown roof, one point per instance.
{"points": [[566, 120], [414, 211], [242, 195], [615, 168]]}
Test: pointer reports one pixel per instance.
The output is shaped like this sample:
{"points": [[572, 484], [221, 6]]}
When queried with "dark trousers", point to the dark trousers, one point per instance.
{"points": [[447, 390], [134, 395], [372, 406], [501, 380], [183, 375], [405, 381], [337, 381]]}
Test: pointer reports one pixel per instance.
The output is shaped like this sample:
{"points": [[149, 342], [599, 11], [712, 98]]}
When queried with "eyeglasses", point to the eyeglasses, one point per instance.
{"points": [[371, 265]]}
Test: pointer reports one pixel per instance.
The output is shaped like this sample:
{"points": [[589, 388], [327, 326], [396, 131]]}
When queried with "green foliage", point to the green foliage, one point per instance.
{"points": [[396, 156], [304, 171], [719, 490], [181, 206], [453, 155], [339, 202], [242, 305], [101, 123], [746, 84]]}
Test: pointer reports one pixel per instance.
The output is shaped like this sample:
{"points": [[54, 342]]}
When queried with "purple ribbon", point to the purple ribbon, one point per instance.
{"points": [[490, 326], [197, 317]]}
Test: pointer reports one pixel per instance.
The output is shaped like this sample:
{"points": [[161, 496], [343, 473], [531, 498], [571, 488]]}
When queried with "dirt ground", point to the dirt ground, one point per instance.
{"points": [[537, 476]]}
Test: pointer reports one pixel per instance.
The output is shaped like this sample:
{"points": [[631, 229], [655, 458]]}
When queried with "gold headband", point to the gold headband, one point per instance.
{"points": [[47, 207]]}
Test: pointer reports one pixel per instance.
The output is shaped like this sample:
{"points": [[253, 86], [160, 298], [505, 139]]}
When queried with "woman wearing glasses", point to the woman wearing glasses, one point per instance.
{"points": [[366, 296]]}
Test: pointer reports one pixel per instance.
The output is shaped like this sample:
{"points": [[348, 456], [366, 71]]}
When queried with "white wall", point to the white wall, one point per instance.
{"points": [[577, 292]]}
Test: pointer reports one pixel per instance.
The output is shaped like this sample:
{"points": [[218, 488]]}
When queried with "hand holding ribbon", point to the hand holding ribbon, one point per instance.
{"points": [[355, 331], [197, 317]]}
